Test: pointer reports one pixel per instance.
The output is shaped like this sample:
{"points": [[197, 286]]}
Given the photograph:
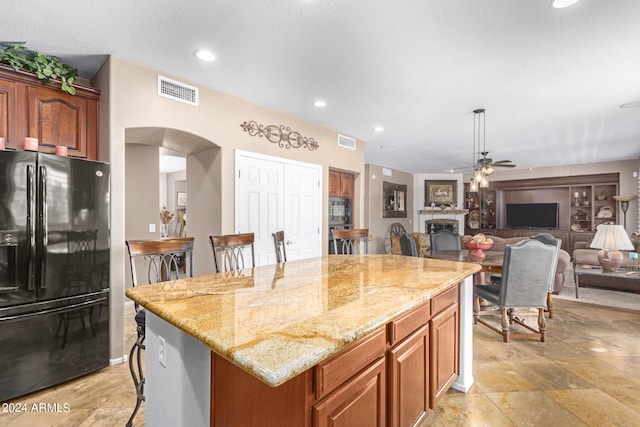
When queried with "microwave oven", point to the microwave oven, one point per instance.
{"points": [[339, 211]]}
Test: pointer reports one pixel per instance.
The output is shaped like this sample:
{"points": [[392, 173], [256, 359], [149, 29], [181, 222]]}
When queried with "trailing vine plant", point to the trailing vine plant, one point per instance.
{"points": [[45, 67]]}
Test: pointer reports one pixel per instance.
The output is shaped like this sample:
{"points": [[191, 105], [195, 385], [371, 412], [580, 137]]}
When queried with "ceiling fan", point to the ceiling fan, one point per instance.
{"points": [[487, 164]]}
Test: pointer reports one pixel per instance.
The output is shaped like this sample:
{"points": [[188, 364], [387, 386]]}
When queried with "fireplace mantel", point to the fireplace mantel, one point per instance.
{"points": [[443, 211]]}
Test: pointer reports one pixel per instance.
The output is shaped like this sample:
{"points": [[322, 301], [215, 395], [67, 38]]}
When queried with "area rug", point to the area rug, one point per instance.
{"points": [[610, 298]]}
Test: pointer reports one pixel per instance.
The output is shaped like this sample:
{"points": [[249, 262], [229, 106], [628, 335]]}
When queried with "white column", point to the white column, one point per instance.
{"points": [[465, 379]]}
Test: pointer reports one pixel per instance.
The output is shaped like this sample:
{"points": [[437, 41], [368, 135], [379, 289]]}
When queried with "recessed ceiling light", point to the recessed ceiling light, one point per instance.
{"points": [[559, 4], [205, 55], [632, 104], [320, 103], [378, 129]]}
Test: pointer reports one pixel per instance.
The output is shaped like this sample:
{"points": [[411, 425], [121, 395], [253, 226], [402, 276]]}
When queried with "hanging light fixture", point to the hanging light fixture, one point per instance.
{"points": [[473, 186], [481, 170]]}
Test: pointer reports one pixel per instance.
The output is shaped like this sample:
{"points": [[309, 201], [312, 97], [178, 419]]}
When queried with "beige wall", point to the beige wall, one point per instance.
{"points": [[377, 225], [207, 135]]}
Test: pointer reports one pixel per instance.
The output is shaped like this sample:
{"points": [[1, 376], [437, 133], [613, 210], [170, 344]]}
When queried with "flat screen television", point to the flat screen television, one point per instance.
{"points": [[532, 215]]}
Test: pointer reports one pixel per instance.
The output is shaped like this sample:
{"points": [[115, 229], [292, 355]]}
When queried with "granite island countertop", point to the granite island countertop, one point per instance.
{"points": [[277, 321]]}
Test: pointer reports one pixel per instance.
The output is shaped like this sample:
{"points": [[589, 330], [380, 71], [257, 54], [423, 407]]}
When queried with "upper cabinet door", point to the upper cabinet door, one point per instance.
{"points": [[30, 109], [334, 184], [341, 184], [347, 184], [57, 118], [8, 107]]}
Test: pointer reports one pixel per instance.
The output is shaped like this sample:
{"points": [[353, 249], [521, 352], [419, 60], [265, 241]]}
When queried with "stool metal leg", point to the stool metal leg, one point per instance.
{"points": [[138, 377]]}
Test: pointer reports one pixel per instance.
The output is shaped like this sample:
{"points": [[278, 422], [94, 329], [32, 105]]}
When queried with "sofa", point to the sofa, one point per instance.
{"points": [[564, 259], [583, 254]]}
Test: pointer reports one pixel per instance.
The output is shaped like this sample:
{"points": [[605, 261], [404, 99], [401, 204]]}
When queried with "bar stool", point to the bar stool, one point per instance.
{"points": [[351, 241], [228, 251], [164, 259]]}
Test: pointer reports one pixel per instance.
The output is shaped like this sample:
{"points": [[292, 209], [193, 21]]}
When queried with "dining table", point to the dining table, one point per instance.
{"points": [[491, 263]]}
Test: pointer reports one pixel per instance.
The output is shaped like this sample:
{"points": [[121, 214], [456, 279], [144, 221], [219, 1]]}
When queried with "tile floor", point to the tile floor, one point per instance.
{"points": [[586, 374]]}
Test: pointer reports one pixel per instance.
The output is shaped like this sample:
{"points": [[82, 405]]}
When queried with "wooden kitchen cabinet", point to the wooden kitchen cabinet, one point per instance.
{"points": [[408, 370], [8, 111], [391, 377], [341, 184], [347, 185], [31, 109], [359, 402], [409, 380], [444, 343]]}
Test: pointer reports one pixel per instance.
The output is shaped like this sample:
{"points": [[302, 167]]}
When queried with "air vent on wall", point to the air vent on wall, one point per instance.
{"points": [[178, 91], [346, 142]]}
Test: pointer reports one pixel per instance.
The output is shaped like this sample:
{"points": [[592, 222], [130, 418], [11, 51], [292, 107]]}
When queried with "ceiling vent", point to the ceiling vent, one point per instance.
{"points": [[346, 142], [177, 91]]}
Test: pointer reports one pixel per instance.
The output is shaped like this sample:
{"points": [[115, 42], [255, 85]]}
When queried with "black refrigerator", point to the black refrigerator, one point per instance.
{"points": [[54, 270]]}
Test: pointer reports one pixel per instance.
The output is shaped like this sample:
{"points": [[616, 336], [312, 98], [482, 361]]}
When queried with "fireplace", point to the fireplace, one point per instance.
{"points": [[433, 225]]}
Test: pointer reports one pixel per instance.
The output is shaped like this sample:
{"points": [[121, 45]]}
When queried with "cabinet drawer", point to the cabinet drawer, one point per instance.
{"points": [[444, 300], [335, 371], [402, 327]]}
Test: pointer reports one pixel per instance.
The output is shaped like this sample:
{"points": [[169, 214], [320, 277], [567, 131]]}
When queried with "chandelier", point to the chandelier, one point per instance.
{"points": [[482, 171]]}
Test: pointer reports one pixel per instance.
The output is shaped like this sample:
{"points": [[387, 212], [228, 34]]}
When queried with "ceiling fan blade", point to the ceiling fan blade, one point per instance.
{"points": [[503, 165], [501, 161]]}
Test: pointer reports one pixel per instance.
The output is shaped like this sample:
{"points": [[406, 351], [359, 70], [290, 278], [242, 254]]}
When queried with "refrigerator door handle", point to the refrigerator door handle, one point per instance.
{"points": [[31, 226], [43, 226], [58, 310]]}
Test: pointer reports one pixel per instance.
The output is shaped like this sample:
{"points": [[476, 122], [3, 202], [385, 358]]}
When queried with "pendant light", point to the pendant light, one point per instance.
{"points": [[481, 171], [473, 186]]}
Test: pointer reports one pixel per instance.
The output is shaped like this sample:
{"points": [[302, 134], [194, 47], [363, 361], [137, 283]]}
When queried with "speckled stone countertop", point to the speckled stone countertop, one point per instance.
{"points": [[277, 321]]}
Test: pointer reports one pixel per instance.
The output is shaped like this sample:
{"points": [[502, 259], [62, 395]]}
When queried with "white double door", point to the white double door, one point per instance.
{"points": [[278, 194]]}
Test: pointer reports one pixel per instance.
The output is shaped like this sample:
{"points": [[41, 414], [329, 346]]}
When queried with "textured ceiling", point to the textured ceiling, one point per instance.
{"points": [[551, 80]]}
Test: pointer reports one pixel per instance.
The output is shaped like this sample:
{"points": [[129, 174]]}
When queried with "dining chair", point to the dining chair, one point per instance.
{"points": [[392, 243], [162, 260], [229, 251], [408, 245], [549, 239], [279, 246], [350, 241], [445, 240], [527, 274]]}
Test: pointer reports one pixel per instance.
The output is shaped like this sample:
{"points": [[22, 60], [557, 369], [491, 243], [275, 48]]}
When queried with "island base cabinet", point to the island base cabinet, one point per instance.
{"points": [[241, 400], [409, 380], [445, 343], [358, 403]]}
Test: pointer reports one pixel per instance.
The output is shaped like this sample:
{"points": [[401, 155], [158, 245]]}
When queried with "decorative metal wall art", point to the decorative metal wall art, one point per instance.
{"points": [[281, 135]]}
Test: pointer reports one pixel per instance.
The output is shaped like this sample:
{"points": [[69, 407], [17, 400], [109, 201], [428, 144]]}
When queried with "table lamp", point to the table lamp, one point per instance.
{"points": [[611, 239]]}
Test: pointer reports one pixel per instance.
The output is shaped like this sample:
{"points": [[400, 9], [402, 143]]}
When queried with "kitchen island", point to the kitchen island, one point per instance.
{"points": [[308, 342]]}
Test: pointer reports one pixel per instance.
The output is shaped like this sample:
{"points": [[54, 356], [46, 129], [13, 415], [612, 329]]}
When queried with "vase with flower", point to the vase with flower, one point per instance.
{"points": [[165, 219]]}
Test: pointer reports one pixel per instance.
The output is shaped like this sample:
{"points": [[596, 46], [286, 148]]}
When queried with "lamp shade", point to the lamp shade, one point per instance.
{"points": [[625, 198], [612, 237]]}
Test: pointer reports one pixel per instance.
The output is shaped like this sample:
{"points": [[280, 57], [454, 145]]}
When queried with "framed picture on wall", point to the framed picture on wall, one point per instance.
{"points": [[394, 200], [182, 198], [440, 192]]}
